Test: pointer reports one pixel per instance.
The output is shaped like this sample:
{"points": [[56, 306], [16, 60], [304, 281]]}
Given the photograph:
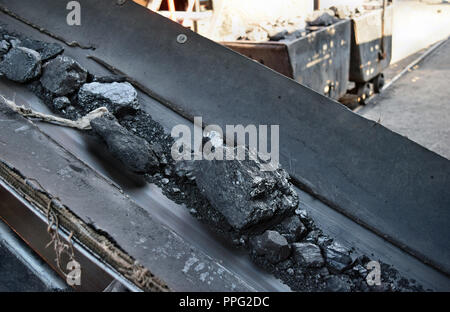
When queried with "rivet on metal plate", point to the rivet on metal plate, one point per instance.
{"points": [[181, 38]]}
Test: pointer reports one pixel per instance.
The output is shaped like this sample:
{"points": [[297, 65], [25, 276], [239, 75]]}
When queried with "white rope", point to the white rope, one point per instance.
{"points": [[83, 123]]}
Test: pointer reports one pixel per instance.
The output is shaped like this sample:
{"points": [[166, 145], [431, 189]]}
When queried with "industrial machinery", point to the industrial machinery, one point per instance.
{"points": [[319, 60], [327, 59]]}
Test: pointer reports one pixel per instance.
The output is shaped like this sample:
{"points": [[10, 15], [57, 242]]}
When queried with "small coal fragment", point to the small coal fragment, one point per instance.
{"points": [[244, 194], [271, 245], [21, 64], [134, 152], [360, 270], [312, 237], [185, 169], [61, 103], [292, 229], [109, 79], [337, 284], [4, 47], [115, 96], [63, 75], [337, 257], [45, 49], [307, 254], [14, 41], [303, 215]]}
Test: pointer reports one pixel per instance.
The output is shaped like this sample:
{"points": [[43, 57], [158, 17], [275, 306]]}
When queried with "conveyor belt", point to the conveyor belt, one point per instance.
{"points": [[165, 252], [389, 184]]}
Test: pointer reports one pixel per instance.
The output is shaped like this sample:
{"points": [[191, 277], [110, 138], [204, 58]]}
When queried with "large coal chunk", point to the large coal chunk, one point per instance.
{"points": [[21, 64], [337, 257], [45, 49], [292, 229], [244, 194], [307, 254], [134, 152], [13, 40], [63, 76], [115, 96], [272, 245]]}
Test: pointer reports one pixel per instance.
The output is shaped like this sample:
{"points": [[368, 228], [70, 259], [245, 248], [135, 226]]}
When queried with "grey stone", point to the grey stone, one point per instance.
{"points": [[337, 284], [323, 240], [256, 33], [4, 47], [115, 96], [134, 152], [321, 18], [341, 11], [278, 35], [185, 168], [293, 229], [45, 49], [307, 254], [21, 64], [244, 194], [303, 214], [63, 76], [61, 103], [271, 245], [337, 257]]}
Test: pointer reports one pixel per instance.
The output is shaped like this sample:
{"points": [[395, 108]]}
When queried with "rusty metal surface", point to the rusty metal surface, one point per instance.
{"points": [[367, 44], [319, 60], [274, 55]]}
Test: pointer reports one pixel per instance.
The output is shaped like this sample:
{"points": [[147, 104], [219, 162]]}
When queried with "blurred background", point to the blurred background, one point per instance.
{"points": [[417, 24]]}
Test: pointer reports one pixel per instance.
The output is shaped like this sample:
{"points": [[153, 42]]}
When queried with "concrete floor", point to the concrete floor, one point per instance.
{"points": [[418, 104]]}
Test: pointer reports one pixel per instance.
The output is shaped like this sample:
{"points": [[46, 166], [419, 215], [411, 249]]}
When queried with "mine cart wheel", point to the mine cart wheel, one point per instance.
{"points": [[363, 92], [378, 83]]}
